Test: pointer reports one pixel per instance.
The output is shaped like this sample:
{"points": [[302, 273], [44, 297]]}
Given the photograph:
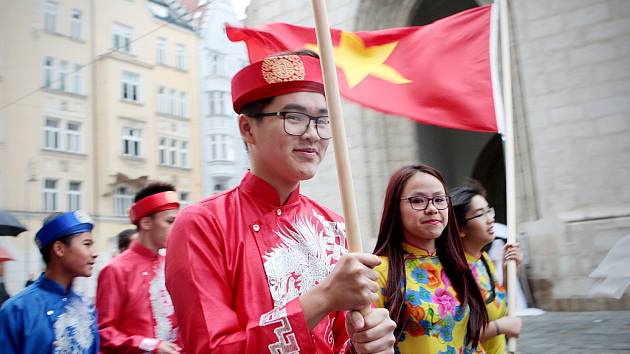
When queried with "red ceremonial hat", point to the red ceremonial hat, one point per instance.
{"points": [[275, 76], [153, 204]]}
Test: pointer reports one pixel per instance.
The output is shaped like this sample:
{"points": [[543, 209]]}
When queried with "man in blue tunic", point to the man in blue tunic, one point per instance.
{"points": [[47, 316]]}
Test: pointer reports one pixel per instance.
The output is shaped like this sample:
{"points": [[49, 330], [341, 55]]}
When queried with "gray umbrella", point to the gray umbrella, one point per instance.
{"points": [[9, 225]]}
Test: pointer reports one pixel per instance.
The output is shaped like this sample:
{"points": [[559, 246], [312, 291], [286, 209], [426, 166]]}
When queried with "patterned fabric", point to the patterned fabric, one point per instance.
{"points": [[135, 310], [237, 263], [435, 321], [45, 318], [497, 308]]}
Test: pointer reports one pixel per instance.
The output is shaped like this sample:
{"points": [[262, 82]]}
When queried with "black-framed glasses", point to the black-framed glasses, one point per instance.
{"points": [[297, 123], [488, 213], [419, 202]]}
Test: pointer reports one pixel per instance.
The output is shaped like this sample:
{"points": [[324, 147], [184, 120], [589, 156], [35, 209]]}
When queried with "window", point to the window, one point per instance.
{"points": [[221, 147], [48, 71], [184, 199], [63, 75], [215, 63], [214, 147], [183, 104], [162, 104], [51, 134], [160, 57], [183, 154], [162, 151], [172, 97], [131, 142], [130, 85], [50, 194], [73, 137], [74, 195], [173, 152], [121, 38], [50, 16], [76, 24], [180, 56], [216, 100], [77, 79], [123, 198]]}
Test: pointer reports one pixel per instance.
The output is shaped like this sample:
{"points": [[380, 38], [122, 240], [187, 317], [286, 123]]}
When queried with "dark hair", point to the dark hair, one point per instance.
{"points": [[65, 240], [124, 238], [449, 249], [153, 188], [461, 197]]}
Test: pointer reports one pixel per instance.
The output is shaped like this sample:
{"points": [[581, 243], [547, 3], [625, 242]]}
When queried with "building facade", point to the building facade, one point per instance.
{"points": [[93, 107], [223, 153], [572, 119]]}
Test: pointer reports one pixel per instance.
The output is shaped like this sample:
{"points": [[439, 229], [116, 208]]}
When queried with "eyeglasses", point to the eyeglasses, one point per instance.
{"points": [[418, 202], [489, 214], [297, 123]]}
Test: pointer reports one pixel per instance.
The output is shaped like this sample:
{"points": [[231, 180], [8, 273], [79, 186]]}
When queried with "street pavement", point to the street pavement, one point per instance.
{"points": [[602, 332]]}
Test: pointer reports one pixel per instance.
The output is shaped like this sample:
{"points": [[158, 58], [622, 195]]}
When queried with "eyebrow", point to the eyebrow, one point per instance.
{"points": [[301, 108], [420, 194]]}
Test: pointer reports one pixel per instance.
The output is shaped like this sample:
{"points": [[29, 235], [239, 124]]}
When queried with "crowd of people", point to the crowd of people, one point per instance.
{"points": [[262, 268]]}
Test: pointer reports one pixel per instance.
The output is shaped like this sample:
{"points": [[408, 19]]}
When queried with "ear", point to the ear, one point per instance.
{"points": [[245, 126], [462, 232], [58, 249], [145, 223]]}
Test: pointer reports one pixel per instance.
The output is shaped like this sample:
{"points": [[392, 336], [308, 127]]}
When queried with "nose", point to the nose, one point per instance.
{"points": [[431, 209], [311, 132]]}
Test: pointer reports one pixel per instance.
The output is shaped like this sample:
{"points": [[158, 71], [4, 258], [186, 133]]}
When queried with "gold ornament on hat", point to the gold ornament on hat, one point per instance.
{"points": [[283, 68]]}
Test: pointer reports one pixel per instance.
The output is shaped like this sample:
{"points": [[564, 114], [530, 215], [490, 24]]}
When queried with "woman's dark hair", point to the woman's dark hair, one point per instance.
{"points": [[449, 251], [461, 197]]}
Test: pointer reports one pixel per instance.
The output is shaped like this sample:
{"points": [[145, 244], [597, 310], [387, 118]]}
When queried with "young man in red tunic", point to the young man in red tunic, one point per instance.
{"points": [[135, 312], [262, 268]]}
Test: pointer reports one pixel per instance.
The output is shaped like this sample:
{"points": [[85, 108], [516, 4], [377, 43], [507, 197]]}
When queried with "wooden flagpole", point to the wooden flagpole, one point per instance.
{"points": [[509, 151], [333, 99]]}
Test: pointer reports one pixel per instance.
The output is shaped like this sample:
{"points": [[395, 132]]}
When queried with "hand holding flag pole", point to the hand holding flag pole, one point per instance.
{"points": [[333, 100]]}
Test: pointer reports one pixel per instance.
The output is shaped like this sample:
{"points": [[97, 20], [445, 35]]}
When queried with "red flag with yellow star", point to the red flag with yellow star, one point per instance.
{"points": [[438, 74]]}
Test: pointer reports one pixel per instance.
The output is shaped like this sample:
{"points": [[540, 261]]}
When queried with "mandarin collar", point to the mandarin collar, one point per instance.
{"points": [[470, 258], [417, 251], [265, 192], [52, 286], [138, 248]]}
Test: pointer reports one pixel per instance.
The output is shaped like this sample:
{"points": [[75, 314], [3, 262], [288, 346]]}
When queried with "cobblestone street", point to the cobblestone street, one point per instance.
{"points": [[605, 332]]}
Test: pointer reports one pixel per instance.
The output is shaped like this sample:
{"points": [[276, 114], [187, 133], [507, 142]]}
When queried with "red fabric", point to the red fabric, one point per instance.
{"points": [[224, 276], [253, 82], [447, 62], [125, 314], [153, 204]]}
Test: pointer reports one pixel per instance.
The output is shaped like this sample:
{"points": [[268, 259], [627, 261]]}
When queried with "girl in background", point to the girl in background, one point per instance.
{"points": [[475, 219]]}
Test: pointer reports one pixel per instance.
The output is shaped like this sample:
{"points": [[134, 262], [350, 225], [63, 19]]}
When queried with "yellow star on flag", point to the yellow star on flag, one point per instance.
{"points": [[358, 61]]}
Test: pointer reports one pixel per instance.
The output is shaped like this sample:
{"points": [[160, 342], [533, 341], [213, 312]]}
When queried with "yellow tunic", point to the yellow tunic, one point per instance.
{"points": [[436, 321], [497, 308]]}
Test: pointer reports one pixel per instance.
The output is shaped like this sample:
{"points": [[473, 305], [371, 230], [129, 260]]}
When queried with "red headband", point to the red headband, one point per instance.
{"points": [[153, 204], [275, 76]]}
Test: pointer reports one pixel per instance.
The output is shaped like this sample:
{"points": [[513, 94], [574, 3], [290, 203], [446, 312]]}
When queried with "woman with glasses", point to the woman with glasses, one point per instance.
{"points": [[424, 279], [475, 218]]}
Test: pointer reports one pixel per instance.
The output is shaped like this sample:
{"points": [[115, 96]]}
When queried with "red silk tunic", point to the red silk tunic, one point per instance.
{"points": [[237, 263], [134, 308]]}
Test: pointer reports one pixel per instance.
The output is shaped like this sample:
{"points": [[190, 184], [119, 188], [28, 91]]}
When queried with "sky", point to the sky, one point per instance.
{"points": [[239, 8]]}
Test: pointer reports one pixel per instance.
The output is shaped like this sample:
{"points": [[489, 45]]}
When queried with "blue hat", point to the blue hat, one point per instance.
{"points": [[66, 224]]}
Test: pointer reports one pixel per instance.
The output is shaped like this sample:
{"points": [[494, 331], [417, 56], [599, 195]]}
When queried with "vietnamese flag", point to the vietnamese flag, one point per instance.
{"points": [[437, 74]]}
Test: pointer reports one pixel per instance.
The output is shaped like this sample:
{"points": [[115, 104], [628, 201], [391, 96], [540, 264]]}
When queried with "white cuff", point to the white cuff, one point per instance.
{"points": [[149, 344]]}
